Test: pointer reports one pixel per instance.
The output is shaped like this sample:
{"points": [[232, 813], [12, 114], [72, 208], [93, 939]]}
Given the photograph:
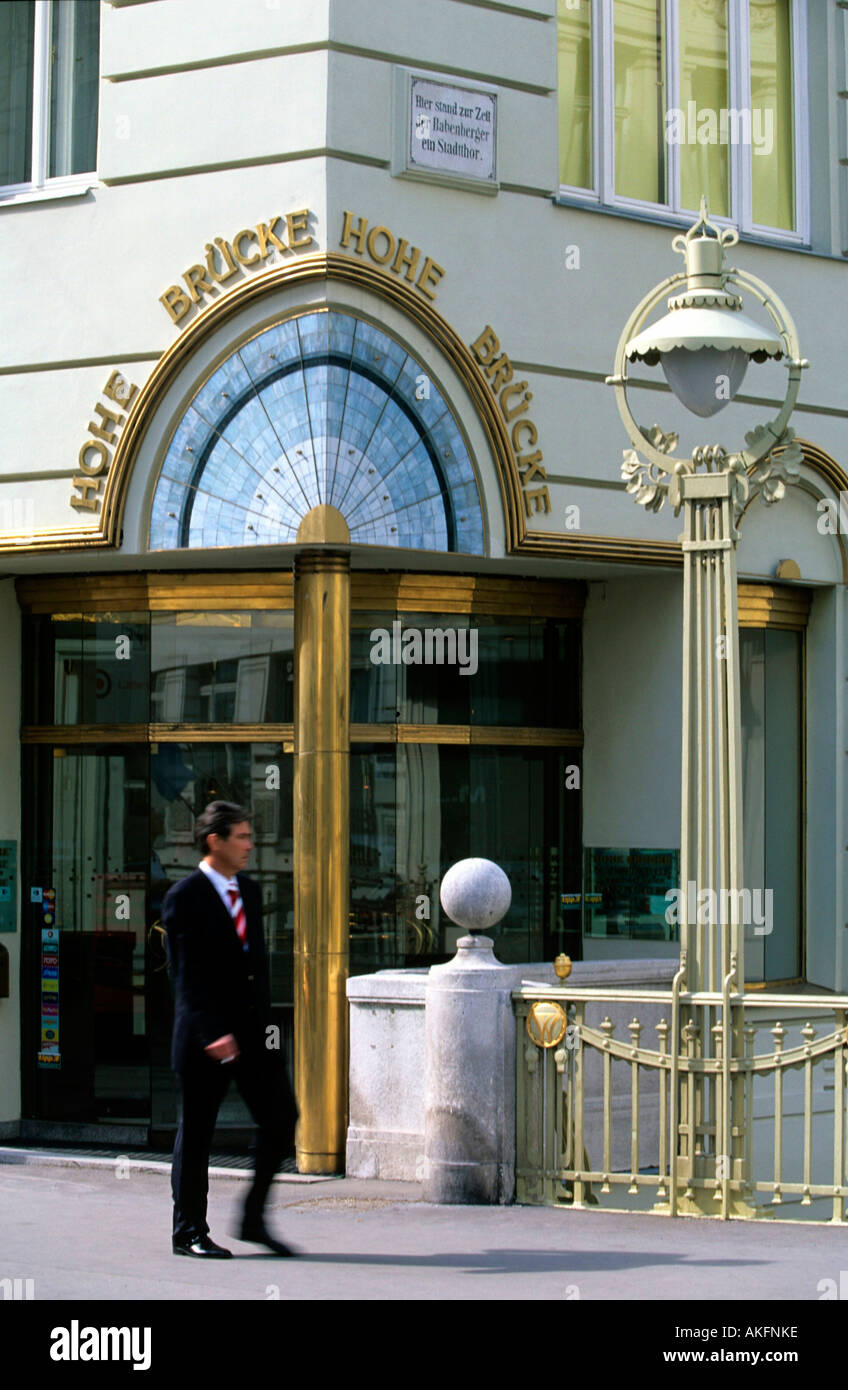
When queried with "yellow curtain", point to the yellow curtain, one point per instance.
{"points": [[704, 160], [772, 114], [574, 77], [640, 100]]}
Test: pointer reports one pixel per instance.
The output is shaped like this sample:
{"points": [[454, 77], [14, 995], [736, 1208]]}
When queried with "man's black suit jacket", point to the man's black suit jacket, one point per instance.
{"points": [[220, 987]]}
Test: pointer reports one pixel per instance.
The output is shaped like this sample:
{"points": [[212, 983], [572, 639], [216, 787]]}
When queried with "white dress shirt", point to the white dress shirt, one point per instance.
{"points": [[221, 884]]}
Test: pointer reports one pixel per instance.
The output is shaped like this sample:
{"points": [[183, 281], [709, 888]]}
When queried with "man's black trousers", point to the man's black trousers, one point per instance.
{"points": [[263, 1083]]}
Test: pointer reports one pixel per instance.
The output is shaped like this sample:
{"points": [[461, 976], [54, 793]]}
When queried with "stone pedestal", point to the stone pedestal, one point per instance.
{"points": [[388, 1044], [385, 1138], [469, 1098]]}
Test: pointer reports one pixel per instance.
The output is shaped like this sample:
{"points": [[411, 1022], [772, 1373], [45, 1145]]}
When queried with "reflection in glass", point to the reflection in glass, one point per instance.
{"points": [[222, 667], [16, 53], [574, 80], [185, 777], [772, 106], [770, 671], [91, 668], [111, 830], [449, 668], [624, 893], [88, 841], [704, 168], [74, 86], [640, 101], [418, 808]]}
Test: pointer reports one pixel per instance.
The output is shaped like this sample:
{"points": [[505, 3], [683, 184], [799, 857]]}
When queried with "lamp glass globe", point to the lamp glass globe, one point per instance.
{"points": [[704, 379]]}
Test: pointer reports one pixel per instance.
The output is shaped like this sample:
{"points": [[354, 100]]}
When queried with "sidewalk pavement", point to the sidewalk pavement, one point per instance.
{"points": [[80, 1231]]}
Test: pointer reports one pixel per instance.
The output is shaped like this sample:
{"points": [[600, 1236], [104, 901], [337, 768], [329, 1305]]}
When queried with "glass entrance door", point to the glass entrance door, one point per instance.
{"points": [[111, 830], [184, 778], [88, 847]]}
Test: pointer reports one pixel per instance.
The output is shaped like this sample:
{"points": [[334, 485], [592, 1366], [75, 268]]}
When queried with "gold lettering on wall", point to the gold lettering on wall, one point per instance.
{"points": [[514, 400], [395, 253], [95, 455], [224, 259]]}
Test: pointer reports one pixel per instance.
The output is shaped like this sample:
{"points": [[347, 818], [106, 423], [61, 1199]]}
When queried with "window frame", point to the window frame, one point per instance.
{"points": [[603, 195], [40, 185]]}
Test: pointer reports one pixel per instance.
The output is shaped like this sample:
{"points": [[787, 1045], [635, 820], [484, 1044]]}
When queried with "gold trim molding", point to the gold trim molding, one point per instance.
{"points": [[157, 733], [204, 591], [273, 590], [467, 593], [487, 734], [773, 605]]}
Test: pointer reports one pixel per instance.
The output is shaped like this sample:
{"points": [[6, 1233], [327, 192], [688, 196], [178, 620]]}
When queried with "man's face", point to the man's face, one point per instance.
{"points": [[229, 856]]}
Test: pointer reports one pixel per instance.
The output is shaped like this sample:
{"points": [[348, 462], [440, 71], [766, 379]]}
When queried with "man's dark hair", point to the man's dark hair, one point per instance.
{"points": [[218, 819]]}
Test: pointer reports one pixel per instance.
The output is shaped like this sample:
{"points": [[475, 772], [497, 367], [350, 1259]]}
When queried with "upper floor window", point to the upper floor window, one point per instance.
{"points": [[49, 68], [663, 100]]}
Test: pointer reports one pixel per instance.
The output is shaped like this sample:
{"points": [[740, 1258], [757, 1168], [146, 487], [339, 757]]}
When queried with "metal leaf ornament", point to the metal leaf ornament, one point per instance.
{"points": [[663, 443], [740, 482], [647, 484], [779, 468], [643, 481]]}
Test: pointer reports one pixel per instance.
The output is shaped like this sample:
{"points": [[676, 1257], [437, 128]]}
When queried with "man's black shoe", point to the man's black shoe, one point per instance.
{"points": [[258, 1234], [200, 1246]]}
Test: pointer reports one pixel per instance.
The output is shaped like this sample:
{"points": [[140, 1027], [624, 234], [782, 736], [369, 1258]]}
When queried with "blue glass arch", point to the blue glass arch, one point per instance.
{"points": [[321, 408]]}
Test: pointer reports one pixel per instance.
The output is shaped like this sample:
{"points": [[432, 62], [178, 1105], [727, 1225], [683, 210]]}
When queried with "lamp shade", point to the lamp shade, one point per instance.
{"points": [[704, 350]]}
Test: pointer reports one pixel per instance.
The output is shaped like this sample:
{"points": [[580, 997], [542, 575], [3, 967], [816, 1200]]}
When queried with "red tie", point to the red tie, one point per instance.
{"points": [[237, 909]]}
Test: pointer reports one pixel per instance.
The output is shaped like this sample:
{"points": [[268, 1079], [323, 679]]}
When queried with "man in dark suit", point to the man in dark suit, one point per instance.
{"points": [[221, 1029]]}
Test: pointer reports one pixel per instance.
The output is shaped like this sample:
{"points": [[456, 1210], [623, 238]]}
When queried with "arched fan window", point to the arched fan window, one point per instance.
{"points": [[322, 408]]}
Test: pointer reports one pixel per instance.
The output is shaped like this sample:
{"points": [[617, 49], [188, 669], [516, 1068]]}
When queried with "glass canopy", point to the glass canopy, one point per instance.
{"points": [[321, 408]]}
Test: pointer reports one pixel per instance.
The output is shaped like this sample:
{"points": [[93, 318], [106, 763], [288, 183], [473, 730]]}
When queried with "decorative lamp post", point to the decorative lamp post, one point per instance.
{"points": [[704, 344]]}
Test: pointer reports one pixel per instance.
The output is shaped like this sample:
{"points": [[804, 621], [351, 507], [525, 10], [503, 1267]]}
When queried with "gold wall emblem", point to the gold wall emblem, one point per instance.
{"points": [[546, 1023]]}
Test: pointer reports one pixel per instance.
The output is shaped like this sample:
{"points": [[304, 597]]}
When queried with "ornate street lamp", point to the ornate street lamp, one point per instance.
{"points": [[704, 344]]}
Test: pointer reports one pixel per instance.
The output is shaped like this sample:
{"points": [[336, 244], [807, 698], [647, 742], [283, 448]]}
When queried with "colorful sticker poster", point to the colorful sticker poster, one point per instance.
{"points": [[48, 907], [49, 1056]]}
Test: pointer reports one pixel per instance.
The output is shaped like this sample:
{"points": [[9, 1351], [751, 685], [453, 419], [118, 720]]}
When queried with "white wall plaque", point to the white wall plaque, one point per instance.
{"points": [[448, 131]]}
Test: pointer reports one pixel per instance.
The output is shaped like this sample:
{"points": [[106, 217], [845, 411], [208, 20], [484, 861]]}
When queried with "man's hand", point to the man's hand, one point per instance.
{"points": [[223, 1049]]}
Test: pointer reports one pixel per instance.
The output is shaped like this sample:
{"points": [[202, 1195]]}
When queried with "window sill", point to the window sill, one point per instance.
{"points": [[75, 187], [787, 241]]}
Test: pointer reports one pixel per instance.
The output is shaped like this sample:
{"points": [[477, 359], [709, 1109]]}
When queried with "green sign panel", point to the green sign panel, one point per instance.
{"points": [[8, 885]]}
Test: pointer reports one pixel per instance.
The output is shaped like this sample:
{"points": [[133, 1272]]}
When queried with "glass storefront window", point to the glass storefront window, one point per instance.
{"points": [[222, 667], [415, 809], [624, 893], [770, 668], [112, 799], [449, 668], [91, 668]]}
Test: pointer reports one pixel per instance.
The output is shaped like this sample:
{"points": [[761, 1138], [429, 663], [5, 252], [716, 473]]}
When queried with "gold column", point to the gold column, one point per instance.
{"points": [[321, 831]]}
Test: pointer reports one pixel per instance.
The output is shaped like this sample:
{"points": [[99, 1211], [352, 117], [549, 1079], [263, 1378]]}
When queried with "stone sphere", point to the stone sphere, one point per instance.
{"points": [[475, 894]]}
